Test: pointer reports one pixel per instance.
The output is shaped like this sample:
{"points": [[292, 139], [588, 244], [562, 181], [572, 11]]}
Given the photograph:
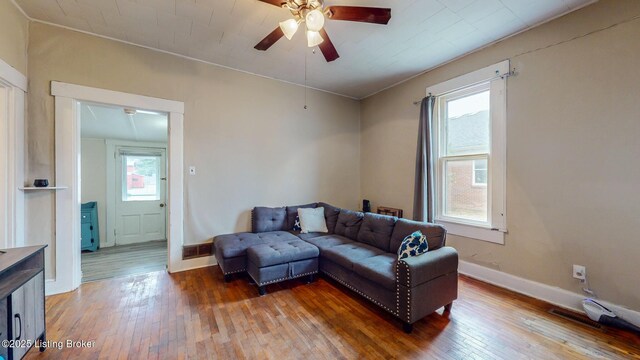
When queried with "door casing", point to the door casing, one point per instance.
{"points": [[67, 152]]}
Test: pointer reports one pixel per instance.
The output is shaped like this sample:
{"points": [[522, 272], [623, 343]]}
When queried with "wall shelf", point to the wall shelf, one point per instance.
{"points": [[31, 188]]}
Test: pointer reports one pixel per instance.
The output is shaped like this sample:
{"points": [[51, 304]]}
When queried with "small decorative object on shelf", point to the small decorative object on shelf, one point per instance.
{"points": [[41, 182], [390, 211]]}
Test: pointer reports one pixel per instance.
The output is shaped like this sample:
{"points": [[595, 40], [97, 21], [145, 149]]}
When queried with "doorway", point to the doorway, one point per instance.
{"points": [[123, 186], [66, 252]]}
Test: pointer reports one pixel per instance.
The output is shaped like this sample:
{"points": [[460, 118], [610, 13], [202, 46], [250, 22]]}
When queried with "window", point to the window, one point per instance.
{"points": [[141, 175], [470, 155], [480, 172]]}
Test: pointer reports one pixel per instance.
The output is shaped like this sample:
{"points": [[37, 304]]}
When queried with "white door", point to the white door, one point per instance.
{"points": [[140, 195]]}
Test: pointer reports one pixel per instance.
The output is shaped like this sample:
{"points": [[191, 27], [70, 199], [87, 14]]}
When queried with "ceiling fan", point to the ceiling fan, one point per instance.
{"points": [[313, 14]]}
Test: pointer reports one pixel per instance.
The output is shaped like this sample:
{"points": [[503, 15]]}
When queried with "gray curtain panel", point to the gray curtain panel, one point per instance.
{"points": [[423, 194]]}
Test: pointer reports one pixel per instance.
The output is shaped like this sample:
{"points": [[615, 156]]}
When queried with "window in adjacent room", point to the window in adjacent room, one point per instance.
{"points": [[470, 155]]}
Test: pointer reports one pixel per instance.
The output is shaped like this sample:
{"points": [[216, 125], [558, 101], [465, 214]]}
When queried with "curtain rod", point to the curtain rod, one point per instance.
{"points": [[501, 76]]}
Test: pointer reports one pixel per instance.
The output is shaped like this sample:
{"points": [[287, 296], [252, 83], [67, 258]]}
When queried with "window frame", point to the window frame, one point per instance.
{"points": [[474, 176], [494, 228], [126, 197]]}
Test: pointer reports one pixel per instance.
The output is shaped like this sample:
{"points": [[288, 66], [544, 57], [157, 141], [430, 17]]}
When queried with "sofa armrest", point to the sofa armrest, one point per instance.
{"points": [[415, 270]]}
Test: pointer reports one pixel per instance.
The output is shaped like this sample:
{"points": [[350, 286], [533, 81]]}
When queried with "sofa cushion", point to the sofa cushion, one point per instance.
{"points": [[330, 215], [349, 223], [281, 252], [306, 236], [435, 233], [347, 254], [292, 212], [376, 230], [233, 245], [265, 219], [380, 269], [327, 241], [312, 220]]}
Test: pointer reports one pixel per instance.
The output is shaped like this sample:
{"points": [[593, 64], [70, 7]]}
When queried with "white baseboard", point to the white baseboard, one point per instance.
{"points": [[196, 263], [53, 287], [551, 294]]}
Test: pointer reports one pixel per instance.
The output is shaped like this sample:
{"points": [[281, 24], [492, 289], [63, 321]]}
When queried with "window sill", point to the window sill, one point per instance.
{"points": [[473, 232]]}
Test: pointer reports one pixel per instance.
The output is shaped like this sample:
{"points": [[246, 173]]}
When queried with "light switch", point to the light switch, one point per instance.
{"points": [[192, 170]]}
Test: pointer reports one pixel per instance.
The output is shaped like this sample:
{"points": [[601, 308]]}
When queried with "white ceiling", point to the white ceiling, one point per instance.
{"points": [[108, 122], [421, 34]]}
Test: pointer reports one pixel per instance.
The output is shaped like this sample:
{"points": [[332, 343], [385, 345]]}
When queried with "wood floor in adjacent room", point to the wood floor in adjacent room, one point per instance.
{"points": [[194, 314], [122, 260]]}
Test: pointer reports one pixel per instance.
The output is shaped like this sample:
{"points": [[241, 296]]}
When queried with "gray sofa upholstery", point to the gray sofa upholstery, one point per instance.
{"points": [[359, 251]]}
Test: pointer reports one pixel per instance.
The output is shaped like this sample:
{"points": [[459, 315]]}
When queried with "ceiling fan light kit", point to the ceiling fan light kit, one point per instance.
{"points": [[314, 20], [314, 38], [289, 27], [313, 14]]}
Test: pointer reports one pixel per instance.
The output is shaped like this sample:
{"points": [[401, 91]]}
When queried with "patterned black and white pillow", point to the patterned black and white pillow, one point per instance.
{"points": [[413, 245], [296, 224]]}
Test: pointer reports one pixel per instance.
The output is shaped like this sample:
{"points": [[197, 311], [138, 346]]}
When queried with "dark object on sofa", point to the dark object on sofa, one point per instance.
{"points": [[359, 251]]}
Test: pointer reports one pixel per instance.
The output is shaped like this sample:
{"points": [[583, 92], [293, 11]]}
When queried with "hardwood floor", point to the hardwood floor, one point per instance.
{"points": [[194, 314], [124, 260]]}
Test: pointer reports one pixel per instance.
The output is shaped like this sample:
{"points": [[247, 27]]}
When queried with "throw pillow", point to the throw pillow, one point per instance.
{"points": [[296, 224], [413, 245], [312, 220]]}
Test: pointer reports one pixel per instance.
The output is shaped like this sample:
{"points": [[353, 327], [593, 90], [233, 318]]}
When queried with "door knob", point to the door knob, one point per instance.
{"points": [[161, 205]]}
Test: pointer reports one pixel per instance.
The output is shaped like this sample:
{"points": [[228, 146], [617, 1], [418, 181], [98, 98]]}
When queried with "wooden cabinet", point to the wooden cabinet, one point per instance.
{"points": [[89, 231], [22, 320]]}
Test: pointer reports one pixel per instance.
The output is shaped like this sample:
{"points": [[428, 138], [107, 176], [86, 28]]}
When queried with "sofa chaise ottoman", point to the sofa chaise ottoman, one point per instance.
{"points": [[279, 261], [359, 251]]}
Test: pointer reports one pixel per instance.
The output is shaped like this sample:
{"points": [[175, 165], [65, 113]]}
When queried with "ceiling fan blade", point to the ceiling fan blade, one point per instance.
{"points": [[270, 39], [328, 50], [277, 3], [361, 14]]}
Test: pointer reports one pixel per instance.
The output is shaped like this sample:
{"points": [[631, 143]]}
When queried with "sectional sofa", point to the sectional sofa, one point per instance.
{"points": [[359, 252]]}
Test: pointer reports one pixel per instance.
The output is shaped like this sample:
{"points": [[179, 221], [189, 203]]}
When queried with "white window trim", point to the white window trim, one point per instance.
{"points": [[497, 159]]}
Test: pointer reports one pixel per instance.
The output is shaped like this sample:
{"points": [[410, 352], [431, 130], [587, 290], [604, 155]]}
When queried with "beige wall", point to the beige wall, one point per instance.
{"points": [[94, 179], [14, 36], [573, 176], [249, 137]]}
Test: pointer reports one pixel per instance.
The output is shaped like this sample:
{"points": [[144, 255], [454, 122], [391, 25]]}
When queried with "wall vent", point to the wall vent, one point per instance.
{"points": [[576, 318]]}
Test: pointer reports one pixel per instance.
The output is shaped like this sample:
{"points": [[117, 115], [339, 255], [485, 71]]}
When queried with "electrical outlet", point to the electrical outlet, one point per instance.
{"points": [[579, 272], [192, 170]]}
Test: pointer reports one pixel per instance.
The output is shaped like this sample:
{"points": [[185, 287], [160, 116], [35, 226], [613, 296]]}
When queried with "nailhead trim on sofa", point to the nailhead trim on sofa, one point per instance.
{"points": [[361, 293], [406, 269], [233, 272]]}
